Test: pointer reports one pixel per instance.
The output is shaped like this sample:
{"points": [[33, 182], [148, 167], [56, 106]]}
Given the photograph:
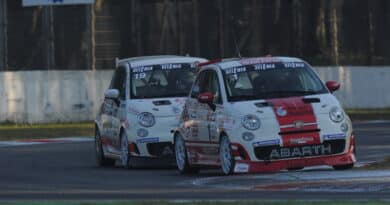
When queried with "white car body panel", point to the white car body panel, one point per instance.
{"points": [[123, 116], [309, 128]]}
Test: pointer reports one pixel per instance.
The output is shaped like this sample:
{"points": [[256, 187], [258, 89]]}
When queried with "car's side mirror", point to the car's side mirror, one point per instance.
{"points": [[112, 94], [332, 86], [207, 98]]}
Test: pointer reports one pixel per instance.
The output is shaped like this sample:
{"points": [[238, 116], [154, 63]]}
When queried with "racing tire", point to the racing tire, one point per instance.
{"points": [[181, 157], [101, 160], [343, 167], [226, 156], [124, 151]]}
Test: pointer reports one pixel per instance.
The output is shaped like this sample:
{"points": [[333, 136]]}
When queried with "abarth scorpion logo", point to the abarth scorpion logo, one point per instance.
{"points": [[281, 111]]}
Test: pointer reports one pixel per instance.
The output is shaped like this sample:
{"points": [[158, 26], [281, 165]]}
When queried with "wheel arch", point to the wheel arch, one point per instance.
{"points": [[175, 133], [223, 134]]}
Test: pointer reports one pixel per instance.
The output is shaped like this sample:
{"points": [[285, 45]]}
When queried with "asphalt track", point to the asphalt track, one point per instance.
{"points": [[67, 171]]}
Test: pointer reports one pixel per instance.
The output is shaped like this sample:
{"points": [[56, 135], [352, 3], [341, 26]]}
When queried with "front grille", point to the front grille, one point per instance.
{"points": [[276, 152], [160, 149]]}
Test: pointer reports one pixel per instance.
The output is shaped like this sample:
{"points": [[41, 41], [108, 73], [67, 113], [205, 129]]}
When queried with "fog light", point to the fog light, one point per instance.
{"points": [[248, 136], [142, 132], [344, 127]]}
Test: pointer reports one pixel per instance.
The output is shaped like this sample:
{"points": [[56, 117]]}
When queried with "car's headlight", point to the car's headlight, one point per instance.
{"points": [[336, 114], [146, 119], [251, 122]]}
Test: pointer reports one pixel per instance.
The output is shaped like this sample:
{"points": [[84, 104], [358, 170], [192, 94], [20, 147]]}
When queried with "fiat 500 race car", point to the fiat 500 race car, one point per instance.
{"points": [[262, 115], [141, 107]]}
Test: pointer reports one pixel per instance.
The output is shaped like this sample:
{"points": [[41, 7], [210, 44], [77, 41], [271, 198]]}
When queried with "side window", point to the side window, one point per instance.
{"points": [[214, 87], [210, 83], [119, 82], [198, 82]]}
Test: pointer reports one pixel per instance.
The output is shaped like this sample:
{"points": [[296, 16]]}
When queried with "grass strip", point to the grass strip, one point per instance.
{"points": [[43, 131], [369, 114], [83, 125], [385, 164]]}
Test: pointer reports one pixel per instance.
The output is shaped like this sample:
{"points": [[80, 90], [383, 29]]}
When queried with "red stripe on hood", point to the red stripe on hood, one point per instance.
{"points": [[291, 111]]}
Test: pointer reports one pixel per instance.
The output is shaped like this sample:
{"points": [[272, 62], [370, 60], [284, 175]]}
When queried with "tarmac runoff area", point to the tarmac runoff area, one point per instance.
{"points": [[64, 169], [305, 180]]}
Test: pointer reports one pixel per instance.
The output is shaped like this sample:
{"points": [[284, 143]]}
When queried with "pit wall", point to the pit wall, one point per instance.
{"points": [[75, 96]]}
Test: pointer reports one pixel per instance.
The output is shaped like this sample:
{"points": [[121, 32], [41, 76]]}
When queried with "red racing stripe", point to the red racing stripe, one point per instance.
{"points": [[297, 121]]}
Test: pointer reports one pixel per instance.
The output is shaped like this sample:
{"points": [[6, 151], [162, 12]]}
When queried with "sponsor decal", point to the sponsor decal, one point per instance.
{"points": [[304, 151], [171, 66], [142, 69], [265, 66], [251, 61], [234, 70], [148, 140], [241, 168], [133, 111], [176, 110], [266, 143], [302, 140], [294, 65], [226, 123], [334, 136]]}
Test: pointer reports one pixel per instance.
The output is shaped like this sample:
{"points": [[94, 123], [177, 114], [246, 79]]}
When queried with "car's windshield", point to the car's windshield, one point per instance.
{"points": [[271, 80], [165, 80]]}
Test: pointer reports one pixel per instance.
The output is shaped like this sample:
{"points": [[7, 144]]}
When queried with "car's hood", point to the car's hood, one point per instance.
{"points": [[289, 107], [159, 107]]}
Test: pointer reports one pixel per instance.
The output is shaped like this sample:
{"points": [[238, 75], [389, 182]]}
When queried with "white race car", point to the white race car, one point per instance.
{"points": [[261, 115], [141, 107]]}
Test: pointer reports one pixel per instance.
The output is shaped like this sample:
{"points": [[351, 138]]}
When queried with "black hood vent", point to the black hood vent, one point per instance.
{"points": [[311, 100], [161, 102]]}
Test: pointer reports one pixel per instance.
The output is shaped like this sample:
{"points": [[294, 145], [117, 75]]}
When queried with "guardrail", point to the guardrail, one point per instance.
{"points": [[74, 96]]}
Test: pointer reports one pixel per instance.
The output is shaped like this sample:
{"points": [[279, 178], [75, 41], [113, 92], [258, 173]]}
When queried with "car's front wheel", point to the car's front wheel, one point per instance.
{"points": [[226, 156], [181, 157], [101, 160], [124, 152]]}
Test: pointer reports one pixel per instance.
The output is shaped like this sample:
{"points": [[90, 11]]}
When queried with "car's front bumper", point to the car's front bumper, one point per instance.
{"points": [[245, 165]]}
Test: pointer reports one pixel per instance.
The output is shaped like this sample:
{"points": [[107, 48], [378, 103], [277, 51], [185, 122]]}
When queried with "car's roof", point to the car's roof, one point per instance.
{"points": [[161, 59], [235, 62]]}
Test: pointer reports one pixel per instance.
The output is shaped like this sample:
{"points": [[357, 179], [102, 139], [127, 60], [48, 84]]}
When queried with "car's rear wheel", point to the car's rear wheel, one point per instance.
{"points": [[101, 160], [343, 167], [226, 156], [124, 152], [181, 157]]}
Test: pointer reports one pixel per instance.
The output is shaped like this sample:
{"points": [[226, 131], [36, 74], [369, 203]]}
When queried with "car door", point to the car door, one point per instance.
{"points": [[208, 121], [193, 110], [113, 110], [202, 119], [120, 116]]}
